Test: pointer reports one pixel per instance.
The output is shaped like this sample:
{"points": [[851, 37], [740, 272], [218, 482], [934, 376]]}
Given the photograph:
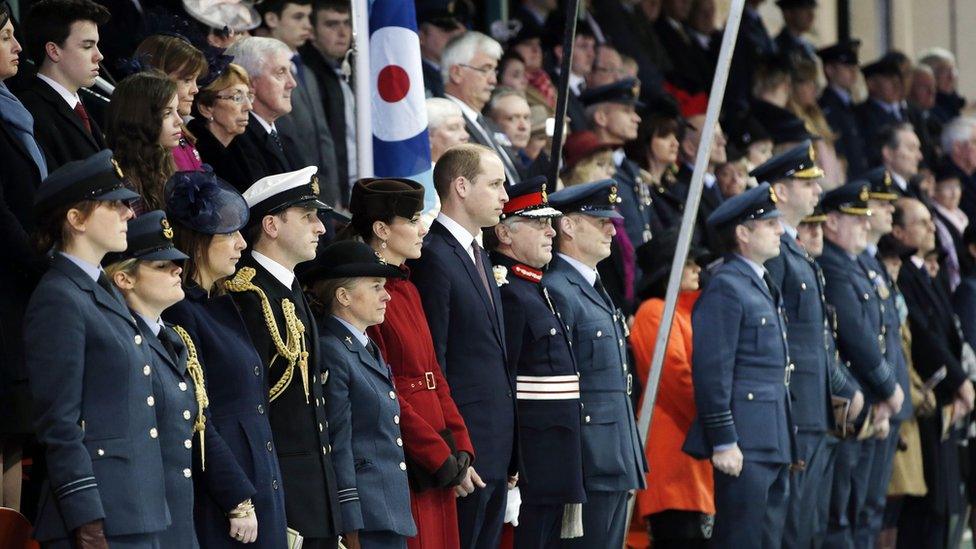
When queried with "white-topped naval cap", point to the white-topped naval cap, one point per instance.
{"points": [[273, 185]]}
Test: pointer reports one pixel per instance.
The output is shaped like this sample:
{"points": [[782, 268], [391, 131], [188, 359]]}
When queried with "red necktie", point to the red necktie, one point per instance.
{"points": [[83, 115]]}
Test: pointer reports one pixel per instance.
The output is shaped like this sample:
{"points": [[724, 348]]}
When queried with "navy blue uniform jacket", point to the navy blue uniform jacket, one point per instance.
{"points": [[90, 380], [613, 454], [801, 284], [364, 422], [469, 341], [740, 368], [859, 322], [236, 386]]}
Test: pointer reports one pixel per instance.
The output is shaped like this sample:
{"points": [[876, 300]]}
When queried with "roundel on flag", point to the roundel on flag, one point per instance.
{"points": [[399, 107]]}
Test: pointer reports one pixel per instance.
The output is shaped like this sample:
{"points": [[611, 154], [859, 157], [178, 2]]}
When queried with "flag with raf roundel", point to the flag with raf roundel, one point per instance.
{"points": [[401, 147]]}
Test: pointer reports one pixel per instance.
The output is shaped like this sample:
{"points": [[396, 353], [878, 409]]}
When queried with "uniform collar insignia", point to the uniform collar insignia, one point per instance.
{"points": [[527, 273]]}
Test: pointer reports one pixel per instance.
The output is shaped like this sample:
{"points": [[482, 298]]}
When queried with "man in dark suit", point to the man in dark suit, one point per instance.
{"points": [[957, 144], [886, 106], [470, 79], [613, 459], [580, 67], [284, 231], [268, 63], [306, 125], [62, 126], [936, 345], [840, 66], [437, 24], [325, 56], [460, 296]]}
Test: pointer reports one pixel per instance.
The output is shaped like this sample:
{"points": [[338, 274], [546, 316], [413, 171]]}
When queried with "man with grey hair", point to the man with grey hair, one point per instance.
{"points": [[959, 148], [948, 102], [268, 63], [469, 67]]}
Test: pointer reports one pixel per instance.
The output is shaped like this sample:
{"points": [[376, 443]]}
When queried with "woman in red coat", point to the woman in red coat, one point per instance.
{"points": [[678, 503], [386, 215]]}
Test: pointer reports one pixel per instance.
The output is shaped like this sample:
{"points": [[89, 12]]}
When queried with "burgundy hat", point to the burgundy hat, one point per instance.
{"points": [[582, 144]]}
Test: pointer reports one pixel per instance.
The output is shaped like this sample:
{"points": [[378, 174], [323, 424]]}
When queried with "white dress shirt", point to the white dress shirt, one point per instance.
{"points": [[277, 270]]}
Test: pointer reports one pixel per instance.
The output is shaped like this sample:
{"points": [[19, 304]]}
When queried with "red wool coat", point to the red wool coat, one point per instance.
{"points": [[426, 409]]}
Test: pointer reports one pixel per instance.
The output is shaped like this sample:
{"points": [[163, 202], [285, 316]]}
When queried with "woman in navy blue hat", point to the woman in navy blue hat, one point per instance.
{"points": [[86, 358], [147, 274], [348, 279], [239, 499]]}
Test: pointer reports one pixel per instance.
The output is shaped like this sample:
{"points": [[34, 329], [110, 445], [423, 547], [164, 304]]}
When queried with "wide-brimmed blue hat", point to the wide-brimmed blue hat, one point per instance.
{"points": [[205, 203]]}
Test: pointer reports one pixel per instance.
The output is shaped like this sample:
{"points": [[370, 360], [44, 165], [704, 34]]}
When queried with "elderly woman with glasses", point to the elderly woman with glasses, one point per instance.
{"points": [[221, 112]]}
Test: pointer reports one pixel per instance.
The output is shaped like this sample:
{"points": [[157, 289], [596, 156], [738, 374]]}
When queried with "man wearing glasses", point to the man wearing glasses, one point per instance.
{"points": [[468, 67]]}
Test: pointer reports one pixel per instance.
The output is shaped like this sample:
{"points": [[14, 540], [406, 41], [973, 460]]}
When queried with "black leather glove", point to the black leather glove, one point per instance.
{"points": [[464, 461], [444, 475], [91, 535]]}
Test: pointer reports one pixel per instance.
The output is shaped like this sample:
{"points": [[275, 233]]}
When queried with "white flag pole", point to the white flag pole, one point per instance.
{"points": [[715, 100], [362, 78]]}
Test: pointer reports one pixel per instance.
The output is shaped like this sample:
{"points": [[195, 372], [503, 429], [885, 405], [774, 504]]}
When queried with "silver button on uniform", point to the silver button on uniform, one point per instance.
{"points": [[552, 331], [399, 441], [187, 444], [146, 370], [183, 386], [186, 415], [392, 395], [403, 466], [396, 419], [138, 340], [153, 433], [150, 400], [100, 452], [187, 473]]}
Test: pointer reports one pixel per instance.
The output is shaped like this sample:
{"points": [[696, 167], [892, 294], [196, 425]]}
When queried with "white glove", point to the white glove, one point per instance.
{"points": [[512, 507]]}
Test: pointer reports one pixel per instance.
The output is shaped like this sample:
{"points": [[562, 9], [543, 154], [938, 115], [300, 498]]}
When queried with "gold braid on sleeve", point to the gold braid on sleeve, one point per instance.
{"points": [[293, 349], [195, 369]]}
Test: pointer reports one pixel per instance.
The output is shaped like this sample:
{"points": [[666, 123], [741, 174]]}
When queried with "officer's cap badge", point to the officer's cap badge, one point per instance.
{"points": [[167, 229]]}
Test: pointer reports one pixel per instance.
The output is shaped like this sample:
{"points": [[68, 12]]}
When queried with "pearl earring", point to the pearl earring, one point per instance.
{"points": [[383, 244]]}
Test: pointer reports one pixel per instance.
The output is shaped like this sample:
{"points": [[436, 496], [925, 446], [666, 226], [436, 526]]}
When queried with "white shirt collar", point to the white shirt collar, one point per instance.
{"points": [[360, 336], [466, 110], [757, 268], [71, 99], [918, 262], [277, 270], [576, 83], [588, 272], [154, 324], [618, 157], [264, 123], [871, 249], [458, 232], [899, 180]]}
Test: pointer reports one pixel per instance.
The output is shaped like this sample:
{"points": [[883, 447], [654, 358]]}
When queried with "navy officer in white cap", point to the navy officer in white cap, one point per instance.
{"points": [[741, 377], [283, 230]]}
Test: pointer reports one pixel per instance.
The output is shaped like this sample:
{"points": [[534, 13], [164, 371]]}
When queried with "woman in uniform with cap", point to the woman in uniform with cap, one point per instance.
{"points": [[386, 215], [677, 504], [86, 359], [364, 415], [238, 499], [147, 274]]}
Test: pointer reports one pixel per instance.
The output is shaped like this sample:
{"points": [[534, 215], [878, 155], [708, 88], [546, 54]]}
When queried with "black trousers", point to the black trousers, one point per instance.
{"points": [[482, 514]]}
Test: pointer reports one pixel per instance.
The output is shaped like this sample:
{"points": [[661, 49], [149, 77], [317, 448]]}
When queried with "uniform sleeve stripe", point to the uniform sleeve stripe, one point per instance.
{"points": [[62, 495], [68, 485]]}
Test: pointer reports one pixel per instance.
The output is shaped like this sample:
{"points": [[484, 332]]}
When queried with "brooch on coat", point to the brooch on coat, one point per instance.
{"points": [[501, 275]]}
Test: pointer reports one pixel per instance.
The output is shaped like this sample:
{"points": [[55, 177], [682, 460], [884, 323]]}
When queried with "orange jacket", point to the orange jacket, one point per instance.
{"points": [[676, 481]]}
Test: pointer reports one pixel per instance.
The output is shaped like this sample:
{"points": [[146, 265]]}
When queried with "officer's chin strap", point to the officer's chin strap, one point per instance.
{"points": [[572, 521]]}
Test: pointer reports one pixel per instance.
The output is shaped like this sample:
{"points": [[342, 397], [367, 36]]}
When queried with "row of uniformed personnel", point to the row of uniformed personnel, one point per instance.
{"points": [[248, 410]]}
